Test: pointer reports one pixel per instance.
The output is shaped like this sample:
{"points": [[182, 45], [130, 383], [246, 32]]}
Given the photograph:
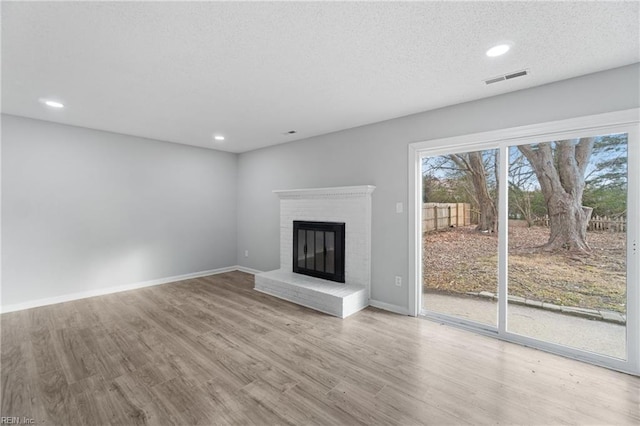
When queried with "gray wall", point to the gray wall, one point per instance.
{"points": [[84, 210], [376, 154]]}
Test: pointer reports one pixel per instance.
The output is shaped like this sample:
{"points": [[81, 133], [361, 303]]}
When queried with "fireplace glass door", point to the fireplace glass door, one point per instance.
{"points": [[318, 249]]}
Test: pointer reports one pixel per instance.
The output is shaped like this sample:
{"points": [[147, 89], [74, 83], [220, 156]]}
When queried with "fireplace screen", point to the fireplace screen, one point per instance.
{"points": [[318, 249]]}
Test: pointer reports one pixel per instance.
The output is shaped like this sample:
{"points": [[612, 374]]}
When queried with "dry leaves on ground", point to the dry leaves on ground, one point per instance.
{"points": [[461, 260]]}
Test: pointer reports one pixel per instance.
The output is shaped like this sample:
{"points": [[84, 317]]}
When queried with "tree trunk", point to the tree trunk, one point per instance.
{"points": [[568, 221], [473, 165], [488, 214], [560, 171]]}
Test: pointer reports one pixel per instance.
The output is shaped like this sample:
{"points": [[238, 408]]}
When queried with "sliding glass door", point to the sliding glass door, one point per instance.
{"points": [[459, 228], [532, 235], [567, 266]]}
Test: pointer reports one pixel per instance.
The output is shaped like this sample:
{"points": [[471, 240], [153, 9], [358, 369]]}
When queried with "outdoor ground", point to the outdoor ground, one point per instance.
{"points": [[462, 260]]}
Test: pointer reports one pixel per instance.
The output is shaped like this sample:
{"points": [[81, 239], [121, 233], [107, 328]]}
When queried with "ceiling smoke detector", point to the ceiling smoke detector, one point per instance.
{"points": [[505, 77]]}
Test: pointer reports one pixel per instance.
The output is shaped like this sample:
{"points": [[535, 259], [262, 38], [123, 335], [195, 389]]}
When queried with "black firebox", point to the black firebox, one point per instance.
{"points": [[318, 249]]}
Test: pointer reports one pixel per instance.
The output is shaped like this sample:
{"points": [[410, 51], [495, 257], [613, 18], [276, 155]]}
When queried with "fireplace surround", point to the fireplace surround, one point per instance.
{"points": [[350, 205]]}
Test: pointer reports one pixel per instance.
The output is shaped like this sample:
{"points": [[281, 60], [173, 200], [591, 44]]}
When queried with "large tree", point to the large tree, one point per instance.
{"points": [[560, 168], [475, 165]]}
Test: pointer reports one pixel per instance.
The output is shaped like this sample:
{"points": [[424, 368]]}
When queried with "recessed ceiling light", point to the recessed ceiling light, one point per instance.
{"points": [[498, 50], [219, 138], [52, 103]]}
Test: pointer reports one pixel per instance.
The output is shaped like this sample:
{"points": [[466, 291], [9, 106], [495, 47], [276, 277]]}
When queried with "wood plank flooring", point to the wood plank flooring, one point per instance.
{"points": [[214, 351]]}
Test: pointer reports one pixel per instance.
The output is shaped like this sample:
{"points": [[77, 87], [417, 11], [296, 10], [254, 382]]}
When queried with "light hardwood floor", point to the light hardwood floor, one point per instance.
{"points": [[214, 351]]}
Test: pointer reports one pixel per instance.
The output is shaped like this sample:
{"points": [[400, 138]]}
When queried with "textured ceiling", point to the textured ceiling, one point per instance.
{"points": [[181, 72]]}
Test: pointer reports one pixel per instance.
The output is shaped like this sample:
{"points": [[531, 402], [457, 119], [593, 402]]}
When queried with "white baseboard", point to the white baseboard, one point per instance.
{"points": [[110, 290], [248, 270], [402, 310]]}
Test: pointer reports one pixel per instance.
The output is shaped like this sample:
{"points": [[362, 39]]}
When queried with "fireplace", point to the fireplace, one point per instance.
{"points": [[318, 249], [341, 215]]}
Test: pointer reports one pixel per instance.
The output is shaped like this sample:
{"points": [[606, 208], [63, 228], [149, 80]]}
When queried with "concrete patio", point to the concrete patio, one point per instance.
{"points": [[603, 337]]}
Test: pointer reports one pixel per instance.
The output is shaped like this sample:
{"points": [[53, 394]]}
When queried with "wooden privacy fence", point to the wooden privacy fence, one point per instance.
{"points": [[597, 223], [445, 215]]}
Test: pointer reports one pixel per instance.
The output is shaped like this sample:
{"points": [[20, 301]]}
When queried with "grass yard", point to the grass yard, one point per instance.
{"points": [[461, 260]]}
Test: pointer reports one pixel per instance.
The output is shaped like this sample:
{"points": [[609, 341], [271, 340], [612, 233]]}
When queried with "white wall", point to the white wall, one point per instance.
{"points": [[86, 210], [376, 154]]}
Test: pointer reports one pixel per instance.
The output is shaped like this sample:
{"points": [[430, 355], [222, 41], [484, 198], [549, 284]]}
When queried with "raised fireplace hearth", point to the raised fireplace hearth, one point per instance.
{"points": [[347, 205], [318, 249]]}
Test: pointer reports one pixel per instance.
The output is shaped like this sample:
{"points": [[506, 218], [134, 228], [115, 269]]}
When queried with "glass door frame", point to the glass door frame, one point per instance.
{"points": [[627, 121]]}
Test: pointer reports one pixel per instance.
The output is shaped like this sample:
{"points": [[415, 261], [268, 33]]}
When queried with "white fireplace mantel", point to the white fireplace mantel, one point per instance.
{"points": [[338, 191], [348, 204]]}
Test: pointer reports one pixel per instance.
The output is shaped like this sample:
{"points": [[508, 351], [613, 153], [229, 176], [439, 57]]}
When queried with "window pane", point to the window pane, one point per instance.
{"points": [[460, 239], [567, 242]]}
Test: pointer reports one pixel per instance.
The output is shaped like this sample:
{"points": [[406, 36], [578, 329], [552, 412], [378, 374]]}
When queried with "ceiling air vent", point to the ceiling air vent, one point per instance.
{"points": [[494, 80], [516, 74], [509, 76]]}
